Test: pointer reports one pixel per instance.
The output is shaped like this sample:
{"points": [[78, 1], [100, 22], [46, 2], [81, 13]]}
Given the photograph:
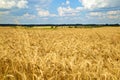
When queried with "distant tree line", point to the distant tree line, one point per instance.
{"points": [[59, 25]]}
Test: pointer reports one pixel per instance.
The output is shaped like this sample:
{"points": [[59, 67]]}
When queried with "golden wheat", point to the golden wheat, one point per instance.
{"points": [[60, 54]]}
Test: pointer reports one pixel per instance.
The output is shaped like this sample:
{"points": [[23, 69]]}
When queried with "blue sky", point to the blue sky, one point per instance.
{"points": [[59, 11]]}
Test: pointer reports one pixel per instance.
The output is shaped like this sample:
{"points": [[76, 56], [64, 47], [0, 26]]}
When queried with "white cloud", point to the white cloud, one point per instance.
{"points": [[113, 12], [68, 11], [109, 14], [113, 17], [22, 4], [28, 16], [8, 4], [95, 4], [67, 2], [96, 14], [44, 13], [4, 12], [42, 3]]}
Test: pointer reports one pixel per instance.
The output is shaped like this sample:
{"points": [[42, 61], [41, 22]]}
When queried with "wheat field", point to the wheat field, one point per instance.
{"points": [[60, 54]]}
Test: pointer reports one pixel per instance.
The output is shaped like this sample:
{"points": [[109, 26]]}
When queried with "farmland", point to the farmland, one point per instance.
{"points": [[60, 54]]}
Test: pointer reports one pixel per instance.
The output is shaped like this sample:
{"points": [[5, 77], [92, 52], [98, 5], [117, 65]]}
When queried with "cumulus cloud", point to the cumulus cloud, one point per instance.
{"points": [[67, 2], [22, 4], [95, 4], [44, 13], [28, 16], [4, 12], [8, 4], [114, 14], [68, 11], [96, 14]]}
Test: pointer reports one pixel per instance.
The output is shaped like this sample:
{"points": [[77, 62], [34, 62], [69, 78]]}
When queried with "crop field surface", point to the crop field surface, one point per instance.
{"points": [[60, 54]]}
